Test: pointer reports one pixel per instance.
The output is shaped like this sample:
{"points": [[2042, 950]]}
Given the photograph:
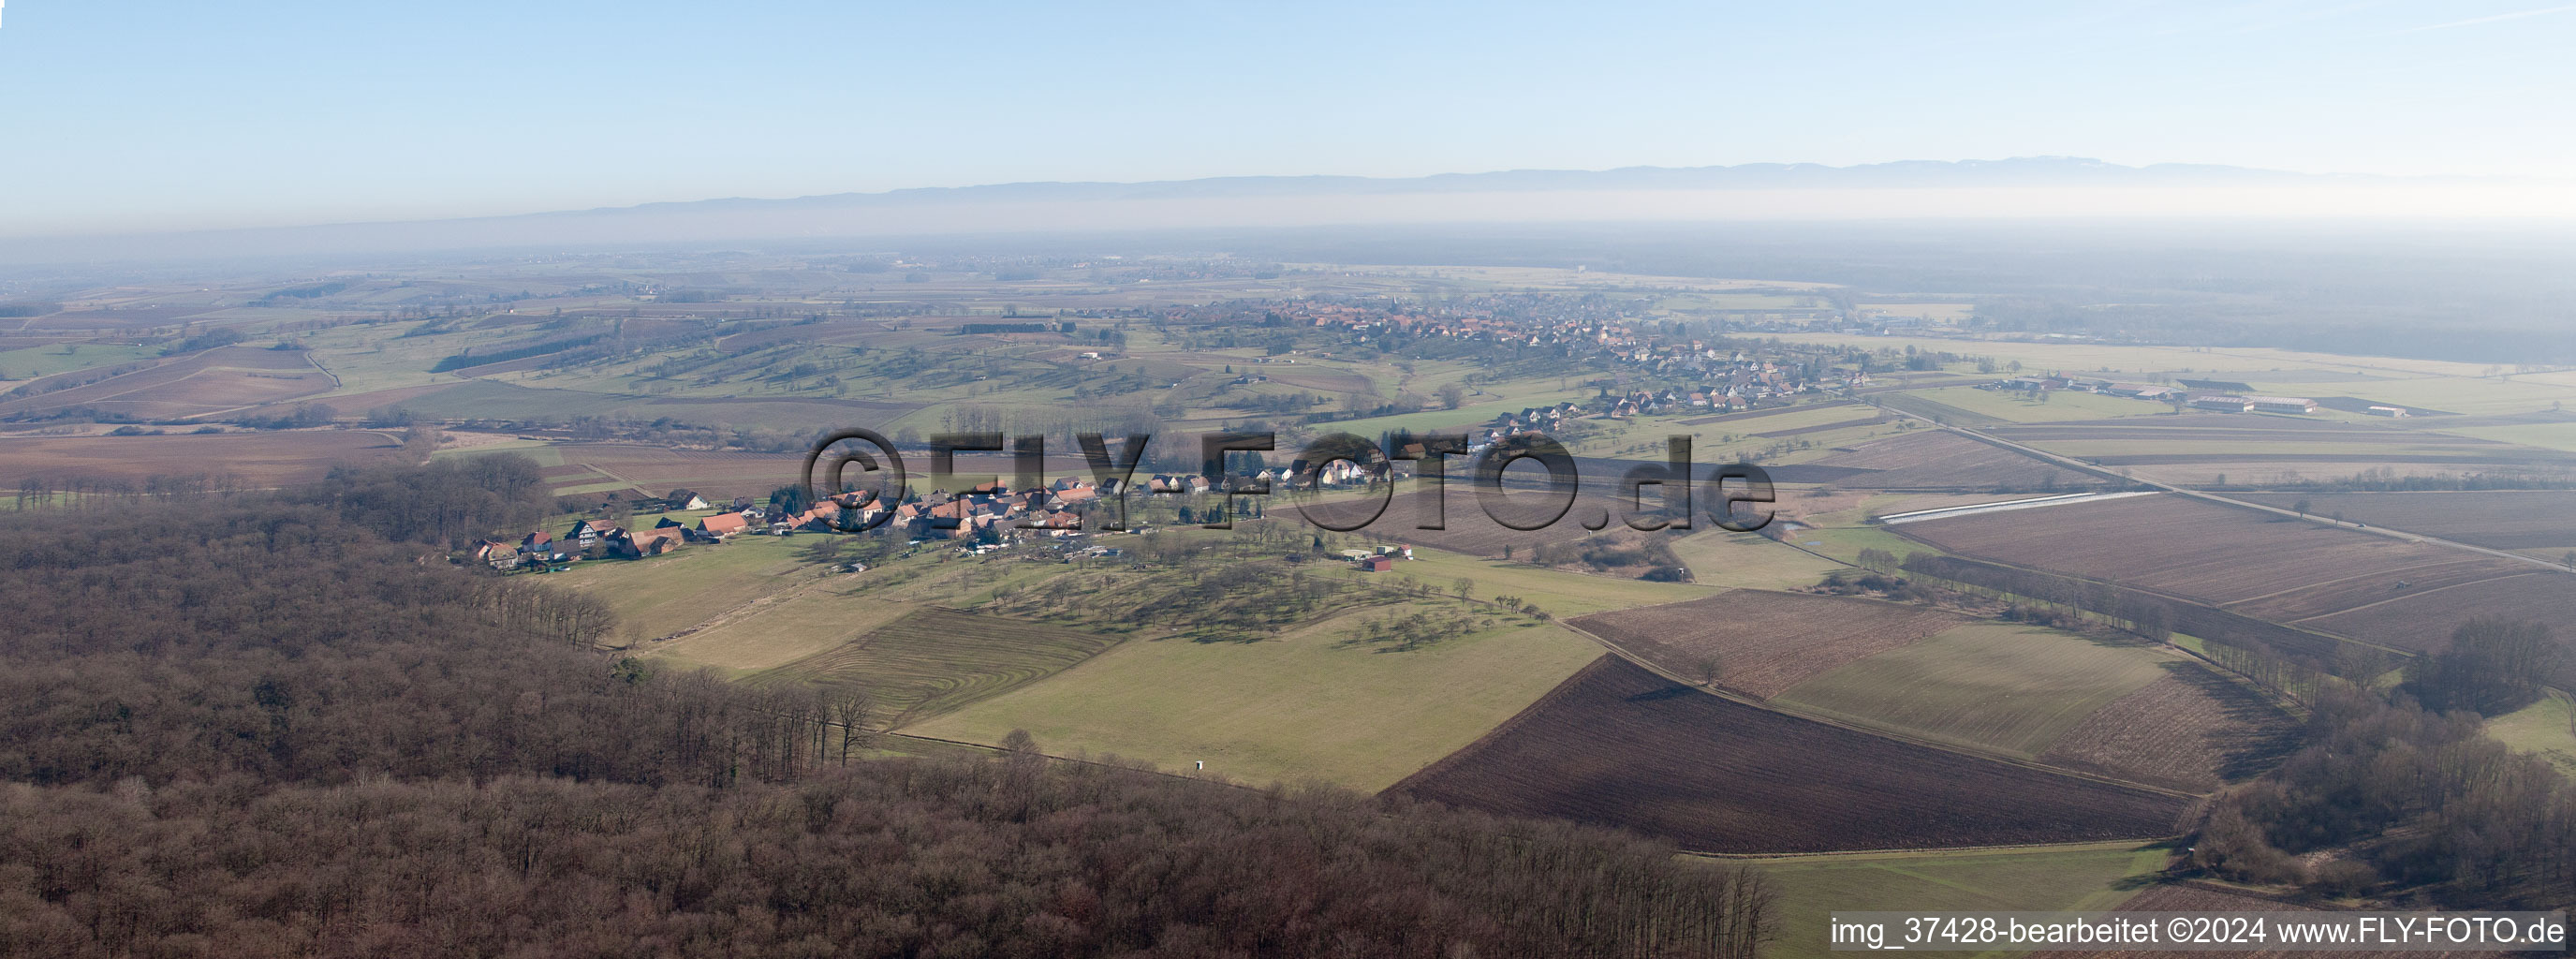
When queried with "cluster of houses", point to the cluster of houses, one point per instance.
{"points": [[2200, 400], [1576, 326], [991, 512]]}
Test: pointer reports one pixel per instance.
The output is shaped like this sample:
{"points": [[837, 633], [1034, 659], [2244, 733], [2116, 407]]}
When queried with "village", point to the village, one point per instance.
{"points": [[986, 518]]}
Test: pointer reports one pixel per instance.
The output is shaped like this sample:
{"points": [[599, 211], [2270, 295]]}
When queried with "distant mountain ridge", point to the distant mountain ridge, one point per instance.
{"points": [[2012, 172], [1961, 189]]}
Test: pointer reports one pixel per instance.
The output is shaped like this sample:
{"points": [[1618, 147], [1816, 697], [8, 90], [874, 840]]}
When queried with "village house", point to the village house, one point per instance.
{"points": [[653, 542], [586, 534], [723, 525]]}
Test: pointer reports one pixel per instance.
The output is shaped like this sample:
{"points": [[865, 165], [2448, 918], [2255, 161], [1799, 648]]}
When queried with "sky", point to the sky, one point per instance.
{"points": [[147, 115]]}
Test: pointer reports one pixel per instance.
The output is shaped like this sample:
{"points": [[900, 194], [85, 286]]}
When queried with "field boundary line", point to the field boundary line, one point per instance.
{"points": [[336, 385]]}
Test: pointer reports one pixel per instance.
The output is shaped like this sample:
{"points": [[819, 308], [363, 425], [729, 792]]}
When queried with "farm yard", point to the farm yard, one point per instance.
{"points": [[1761, 642], [1617, 745]]}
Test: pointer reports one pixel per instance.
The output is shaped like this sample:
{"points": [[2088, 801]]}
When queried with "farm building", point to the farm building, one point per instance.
{"points": [[723, 524], [653, 542], [586, 534], [2281, 404], [2231, 404], [2388, 411], [1377, 564]]}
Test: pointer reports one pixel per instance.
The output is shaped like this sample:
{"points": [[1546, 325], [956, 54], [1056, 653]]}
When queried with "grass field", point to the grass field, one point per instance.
{"points": [[1991, 686], [2060, 406], [2547, 727], [799, 622], [2548, 436], [35, 361], [665, 594], [1716, 557], [927, 662], [1301, 708], [2067, 878]]}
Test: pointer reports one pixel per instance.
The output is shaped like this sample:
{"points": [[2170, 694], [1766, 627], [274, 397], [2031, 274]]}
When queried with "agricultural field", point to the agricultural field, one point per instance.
{"points": [[1617, 745], [2199, 448], [2269, 567], [2047, 878], [489, 400], [664, 595], [259, 459], [933, 661], [2500, 519], [1763, 643], [212, 381], [1941, 460], [1306, 706], [1997, 687], [1716, 557], [2003, 406], [34, 362], [779, 628], [2425, 619], [2191, 730], [2551, 431], [657, 470]]}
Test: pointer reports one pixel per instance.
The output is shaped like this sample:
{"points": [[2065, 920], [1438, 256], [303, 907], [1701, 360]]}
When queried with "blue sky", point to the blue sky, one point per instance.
{"points": [[145, 115]]}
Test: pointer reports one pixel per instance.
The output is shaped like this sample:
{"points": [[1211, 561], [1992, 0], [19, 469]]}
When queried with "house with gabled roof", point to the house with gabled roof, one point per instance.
{"points": [[722, 525]]}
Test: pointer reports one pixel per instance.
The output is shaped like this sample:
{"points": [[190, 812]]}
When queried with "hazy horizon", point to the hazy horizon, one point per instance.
{"points": [[160, 117]]}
